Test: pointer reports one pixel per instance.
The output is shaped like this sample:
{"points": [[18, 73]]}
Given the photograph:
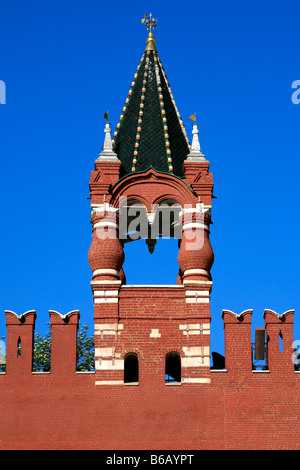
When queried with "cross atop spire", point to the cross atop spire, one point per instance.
{"points": [[149, 22], [150, 131]]}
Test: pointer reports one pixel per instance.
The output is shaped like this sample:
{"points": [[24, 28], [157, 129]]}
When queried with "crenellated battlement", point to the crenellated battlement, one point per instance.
{"points": [[20, 341], [100, 409], [240, 352], [191, 333]]}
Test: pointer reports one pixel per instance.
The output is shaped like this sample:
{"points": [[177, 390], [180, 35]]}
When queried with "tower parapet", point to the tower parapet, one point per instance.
{"points": [[63, 342], [279, 338], [237, 331], [20, 330]]}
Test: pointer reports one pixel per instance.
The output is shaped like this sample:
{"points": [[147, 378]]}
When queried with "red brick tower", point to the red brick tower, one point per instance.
{"points": [[149, 181]]}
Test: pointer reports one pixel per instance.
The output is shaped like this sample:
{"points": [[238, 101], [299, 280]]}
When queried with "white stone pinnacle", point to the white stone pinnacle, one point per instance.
{"points": [[195, 154], [107, 153]]}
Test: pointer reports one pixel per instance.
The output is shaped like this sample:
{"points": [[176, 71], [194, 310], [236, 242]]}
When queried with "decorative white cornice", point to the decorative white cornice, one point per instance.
{"points": [[238, 316], [23, 315], [65, 316], [280, 316]]}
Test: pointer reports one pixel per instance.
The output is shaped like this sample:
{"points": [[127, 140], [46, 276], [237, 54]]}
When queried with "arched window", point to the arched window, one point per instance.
{"points": [[173, 367], [131, 368]]}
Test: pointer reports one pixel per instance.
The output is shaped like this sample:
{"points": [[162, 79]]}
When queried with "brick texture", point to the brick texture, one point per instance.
{"points": [[236, 407]]}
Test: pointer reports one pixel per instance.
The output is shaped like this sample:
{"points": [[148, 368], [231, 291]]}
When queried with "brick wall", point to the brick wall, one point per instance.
{"points": [[236, 407]]}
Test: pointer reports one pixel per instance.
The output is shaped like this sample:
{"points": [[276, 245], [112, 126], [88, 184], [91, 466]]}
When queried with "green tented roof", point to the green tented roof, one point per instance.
{"points": [[150, 131]]}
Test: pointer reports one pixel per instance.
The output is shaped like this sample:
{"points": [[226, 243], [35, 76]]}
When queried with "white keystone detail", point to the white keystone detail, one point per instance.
{"points": [[195, 329], [155, 333]]}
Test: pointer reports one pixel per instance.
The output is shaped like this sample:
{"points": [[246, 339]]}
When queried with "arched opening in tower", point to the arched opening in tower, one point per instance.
{"points": [[151, 243]]}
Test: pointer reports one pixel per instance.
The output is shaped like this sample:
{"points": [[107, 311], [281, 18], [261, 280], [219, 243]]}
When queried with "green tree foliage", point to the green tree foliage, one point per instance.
{"points": [[2, 355], [42, 352], [85, 351]]}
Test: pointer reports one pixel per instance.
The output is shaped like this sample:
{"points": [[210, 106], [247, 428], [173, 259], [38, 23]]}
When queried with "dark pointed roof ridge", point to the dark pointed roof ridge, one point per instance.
{"points": [[150, 130]]}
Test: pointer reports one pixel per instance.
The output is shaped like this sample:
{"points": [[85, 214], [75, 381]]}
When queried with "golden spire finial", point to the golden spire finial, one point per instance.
{"points": [[150, 24]]}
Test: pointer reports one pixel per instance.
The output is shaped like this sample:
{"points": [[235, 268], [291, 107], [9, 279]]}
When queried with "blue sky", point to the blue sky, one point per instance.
{"points": [[66, 63]]}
